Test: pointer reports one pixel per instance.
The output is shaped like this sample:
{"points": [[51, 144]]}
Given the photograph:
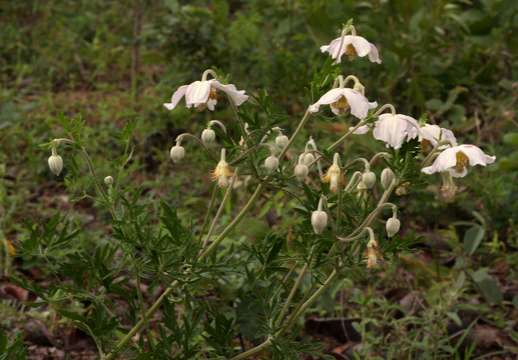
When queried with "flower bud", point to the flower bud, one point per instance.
{"points": [[369, 179], [108, 180], [271, 163], [319, 221], [177, 153], [387, 176], [333, 175], [308, 159], [373, 254], [301, 171], [392, 226], [282, 141], [55, 163], [208, 137]]}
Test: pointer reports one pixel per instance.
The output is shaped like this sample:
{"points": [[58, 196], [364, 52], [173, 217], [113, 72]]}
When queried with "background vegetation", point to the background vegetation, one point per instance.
{"points": [[102, 70]]}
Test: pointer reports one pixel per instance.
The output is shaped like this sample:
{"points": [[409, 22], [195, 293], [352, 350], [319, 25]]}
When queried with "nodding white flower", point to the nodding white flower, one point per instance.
{"points": [[301, 170], [177, 153], [55, 163], [319, 218], [271, 163], [342, 100], [456, 159], [308, 158], [368, 179], [395, 129], [352, 46], [431, 135], [208, 137], [392, 226], [373, 254], [222, 172], [387, 176], [108, 180], [204, 94], [333, 175]]}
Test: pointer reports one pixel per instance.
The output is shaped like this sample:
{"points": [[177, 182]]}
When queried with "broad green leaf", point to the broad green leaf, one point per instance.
{"points": [[472, 239]]}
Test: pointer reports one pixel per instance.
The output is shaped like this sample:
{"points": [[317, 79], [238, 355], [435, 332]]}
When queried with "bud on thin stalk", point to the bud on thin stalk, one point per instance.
{"points": [[177, 153], [55, 162], [208, 137], [392, 226], [271, 163], [319, 218], [108, 180], [369, 179], [387, 176]]}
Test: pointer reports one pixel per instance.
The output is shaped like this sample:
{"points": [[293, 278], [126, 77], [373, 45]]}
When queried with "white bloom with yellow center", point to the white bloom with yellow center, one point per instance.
{"points": [[435, 134], [204, 94], [456, 159], [342, 100], [395, 129], [352, 46]]}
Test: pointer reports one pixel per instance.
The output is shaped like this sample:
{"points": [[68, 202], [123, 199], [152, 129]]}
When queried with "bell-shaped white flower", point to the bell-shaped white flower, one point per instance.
{"points": [[387, 176], [433, 134], [392, 226], [342, 100], [177, 153], [204, 94], [352, 46], [456, 160], [271, 163], [395, 129], [208, 137], [368, 179]]}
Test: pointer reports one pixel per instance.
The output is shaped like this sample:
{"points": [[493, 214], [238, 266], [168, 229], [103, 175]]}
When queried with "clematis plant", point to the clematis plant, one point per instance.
{"points": [[197, 271]]}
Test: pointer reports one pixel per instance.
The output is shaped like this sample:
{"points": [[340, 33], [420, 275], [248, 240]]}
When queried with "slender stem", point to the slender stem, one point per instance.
{"points": [[220, 209], [342, 139], [254, 350], [293, 291], [295, 133], [209, 209]]}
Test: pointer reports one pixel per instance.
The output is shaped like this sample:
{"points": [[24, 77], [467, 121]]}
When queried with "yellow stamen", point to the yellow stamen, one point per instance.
{"points": [[350, 51], [462, 161], [341, 105]]}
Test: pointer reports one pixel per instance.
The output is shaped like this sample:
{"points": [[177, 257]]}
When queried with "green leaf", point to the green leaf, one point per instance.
{"points": [[472, 239], [487, 286]]}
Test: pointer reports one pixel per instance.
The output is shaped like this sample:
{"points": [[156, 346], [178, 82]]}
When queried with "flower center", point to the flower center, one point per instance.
{"points": [[341, 105], [350, 51], [462, 161], [426, 146], [213, 94]]}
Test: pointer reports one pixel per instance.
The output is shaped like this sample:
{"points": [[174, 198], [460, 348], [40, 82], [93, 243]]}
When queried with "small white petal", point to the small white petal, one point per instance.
{"points": [[197, 93], [177, 96], [358, 103], [361, 45], [238, 96], [395, 129], [374, 55], [361, 130]]}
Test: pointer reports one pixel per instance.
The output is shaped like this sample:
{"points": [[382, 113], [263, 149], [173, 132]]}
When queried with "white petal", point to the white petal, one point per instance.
{"points": [[238, 96], [412, 126], [329, 97], [373, 105], [177, 96], [446, 160], [391, 129], [374, 55], [358, 103], [197, 93], [475, 155], [361, 130], [361, 45], [211, 104]]}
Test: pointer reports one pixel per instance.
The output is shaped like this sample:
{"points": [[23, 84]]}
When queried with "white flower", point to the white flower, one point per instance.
{"points": [[208, 137], [351, 45], [392, 226], [394, 129], [204, 93], [343, 99], [319, 217], [271, 163], [435, 134], [177, 153], [55, 163], [456, 159]]}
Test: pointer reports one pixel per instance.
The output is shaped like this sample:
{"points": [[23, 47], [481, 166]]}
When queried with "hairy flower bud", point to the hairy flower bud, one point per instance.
{"points": [[177, 153], [392, 226], [208, 137], [369, 179], [301, 171], [308, 159], [271, 163], [282, 141], [108, 180], [55, 163], [387, 176], [319, 221]]}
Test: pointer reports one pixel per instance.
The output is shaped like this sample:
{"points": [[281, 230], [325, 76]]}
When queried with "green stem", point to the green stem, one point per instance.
{"points": [[293, 291], [253, 350], [209, 209]]}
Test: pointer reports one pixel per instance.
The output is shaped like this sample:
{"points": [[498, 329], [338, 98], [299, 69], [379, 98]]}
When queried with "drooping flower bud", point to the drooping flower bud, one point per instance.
{"points": [[177, 153], [319, 218], [387, 176], [271, 163], [372, 254], [392, 226], [222, 172], [208, 137], [333, 175], [308, 158], [281, 141], [369, 179], [301, 170], [108, 180], [55, 163]]}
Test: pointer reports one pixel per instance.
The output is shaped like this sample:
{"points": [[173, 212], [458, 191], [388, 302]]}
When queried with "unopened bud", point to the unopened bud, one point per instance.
{"points": [[387, 176], [301, 172], [271, 163], [282, 141], [55, 163], [108, 180], [308, 159], [177, 153], [319, 221], [208, 137], [369, 179], [393, 224]]}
